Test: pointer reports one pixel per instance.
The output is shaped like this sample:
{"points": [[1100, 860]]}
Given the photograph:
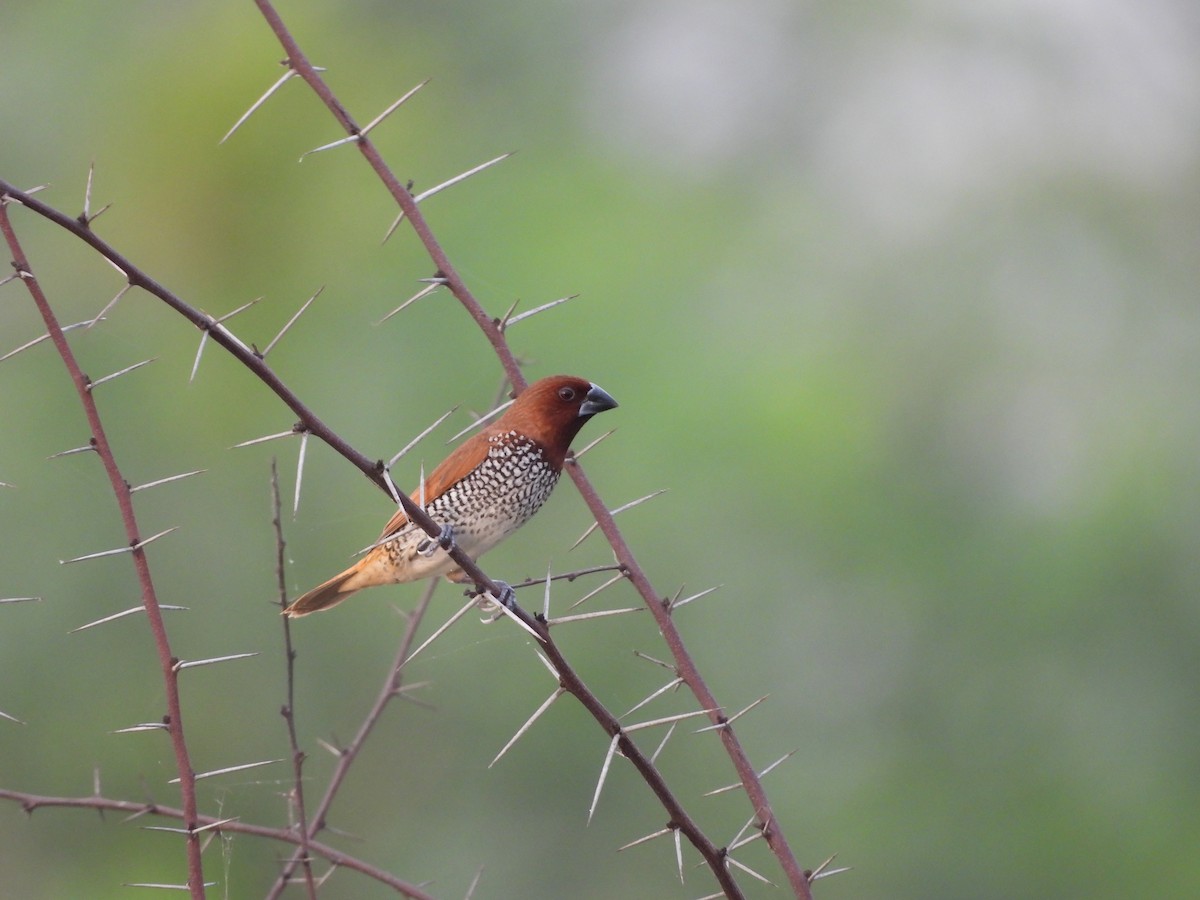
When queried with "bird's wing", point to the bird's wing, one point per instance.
{"points": [[461, 461]]}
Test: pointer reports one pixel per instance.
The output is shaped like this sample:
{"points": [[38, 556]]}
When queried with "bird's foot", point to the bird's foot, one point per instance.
{"points": [[490, 604], [508, 597], [444, 541]]}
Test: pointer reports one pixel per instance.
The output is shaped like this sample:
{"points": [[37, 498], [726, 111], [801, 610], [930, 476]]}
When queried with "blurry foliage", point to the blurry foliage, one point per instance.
{"points": [[900, 303]]}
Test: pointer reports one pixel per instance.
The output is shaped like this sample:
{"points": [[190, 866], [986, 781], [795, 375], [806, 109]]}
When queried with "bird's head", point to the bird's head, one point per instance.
{"points": [[552, 410]]}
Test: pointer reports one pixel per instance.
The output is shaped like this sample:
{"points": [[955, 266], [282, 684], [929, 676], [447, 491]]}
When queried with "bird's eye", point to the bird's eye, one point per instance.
{"points": [[566, 393]]}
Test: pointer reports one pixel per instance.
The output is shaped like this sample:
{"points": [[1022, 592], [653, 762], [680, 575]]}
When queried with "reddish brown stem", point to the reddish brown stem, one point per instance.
{"points": [[120, 489]]}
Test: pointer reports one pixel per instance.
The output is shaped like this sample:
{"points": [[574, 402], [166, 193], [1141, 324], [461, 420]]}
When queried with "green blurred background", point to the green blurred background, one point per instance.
{"points": [[900, 303]]}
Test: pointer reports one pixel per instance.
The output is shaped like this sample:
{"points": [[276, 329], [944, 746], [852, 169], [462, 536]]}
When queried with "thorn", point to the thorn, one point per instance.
{"points": [[197, 830], [481, 419], [613, 512], [823, 870], [363, 132], [199, 353], [218, 325], [127, 549], [546, 596], [437, 189], [86, 218], [140, 544], [599, 614], [270, 437], [506, 322], [679, 854], [394, 492], [229, 315], [648, 837], [4, 715], [663, 742], [164, 887], [144, 726], [558, 692], [612, 748], [116, 268], [549, 665], [504, 610], [738, 784], [100, 381], [676, 602], [578, 454], [228, 769], [44, 337], [20, 600], [407, 447], [291, 322], [737, 837], [325, 745], [423, 292], [593, 593], [673, 683], [474, 883], [725, 723], [502, 322], [757, 836], [121, 615], [89, 448], [730, 861], [349, 139], [111, 303], [437, 634], [290, 73], [167, 480], [663, 721], [185, 664], [300, 471], [241, 345]]}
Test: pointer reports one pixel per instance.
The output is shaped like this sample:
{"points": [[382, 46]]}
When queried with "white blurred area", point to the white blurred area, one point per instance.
{"points": [[898, 110], [996, 202]]}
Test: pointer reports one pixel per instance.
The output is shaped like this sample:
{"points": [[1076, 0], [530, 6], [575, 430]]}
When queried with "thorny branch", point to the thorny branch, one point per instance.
{"points": [[335, 857], [657, 605], [309, 423], [569, 680], [120, 489]]}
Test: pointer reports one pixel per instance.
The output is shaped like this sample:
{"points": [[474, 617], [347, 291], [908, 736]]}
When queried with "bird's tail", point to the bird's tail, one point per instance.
{"points": [[323, 596]]}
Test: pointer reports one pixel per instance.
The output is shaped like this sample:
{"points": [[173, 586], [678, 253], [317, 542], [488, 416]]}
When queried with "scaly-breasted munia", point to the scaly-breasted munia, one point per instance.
{"points": [[482, 492]]}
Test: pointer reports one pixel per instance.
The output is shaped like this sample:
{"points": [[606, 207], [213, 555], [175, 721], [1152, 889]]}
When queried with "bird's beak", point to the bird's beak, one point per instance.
{"points": [[597, 401]]}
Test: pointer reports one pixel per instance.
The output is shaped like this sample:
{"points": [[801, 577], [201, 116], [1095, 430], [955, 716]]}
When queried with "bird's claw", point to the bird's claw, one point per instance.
{"points": [[444, 541], [508, 597], [490, 603]]}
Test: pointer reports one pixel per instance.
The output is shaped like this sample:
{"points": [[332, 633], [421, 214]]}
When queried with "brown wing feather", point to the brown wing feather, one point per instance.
{"points": [[462, 460]]}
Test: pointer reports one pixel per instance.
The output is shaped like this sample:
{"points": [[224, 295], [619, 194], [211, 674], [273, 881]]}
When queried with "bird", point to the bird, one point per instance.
{"points": [[487, 488]]}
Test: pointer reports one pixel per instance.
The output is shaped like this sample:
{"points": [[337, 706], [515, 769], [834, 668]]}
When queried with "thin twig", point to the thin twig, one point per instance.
{"points": [[390, 688], [296, 797]]}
